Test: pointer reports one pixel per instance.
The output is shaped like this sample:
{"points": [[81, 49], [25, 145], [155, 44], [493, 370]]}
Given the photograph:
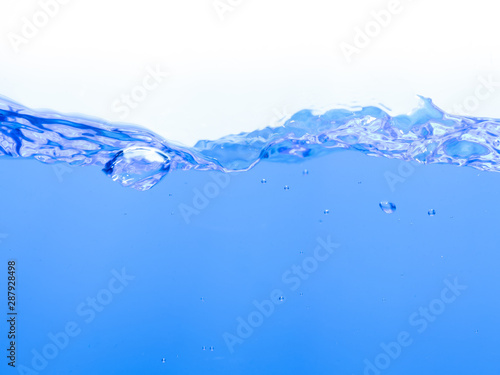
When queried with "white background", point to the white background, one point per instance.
{"points": [[261, 61]]}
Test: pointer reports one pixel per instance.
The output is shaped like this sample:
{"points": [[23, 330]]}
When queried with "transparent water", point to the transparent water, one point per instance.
{"points": [[215, 272]]}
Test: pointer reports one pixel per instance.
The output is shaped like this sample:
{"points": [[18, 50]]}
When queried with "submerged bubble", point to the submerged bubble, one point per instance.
{"points": [[212, 348], [203, 348], [326, 212], [387, 207], [431, 212], [286, 187], [263, 181], [281, 299], [163, 360], [305, 172], [138, 167]]}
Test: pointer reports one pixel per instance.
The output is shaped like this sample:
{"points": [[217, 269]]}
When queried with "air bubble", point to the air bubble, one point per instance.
{"points": [[138, 167], [431, 212], [387, 207]]}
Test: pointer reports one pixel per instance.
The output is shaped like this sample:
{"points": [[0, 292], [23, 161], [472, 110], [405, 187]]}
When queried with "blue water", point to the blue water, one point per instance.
{"points": [[230, 265]]}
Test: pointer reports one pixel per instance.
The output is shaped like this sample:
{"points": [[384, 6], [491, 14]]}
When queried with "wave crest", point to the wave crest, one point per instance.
{"points": [[139, 158]]}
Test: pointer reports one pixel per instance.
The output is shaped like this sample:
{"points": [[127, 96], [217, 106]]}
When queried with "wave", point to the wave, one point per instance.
{"points": [[138, 158]]}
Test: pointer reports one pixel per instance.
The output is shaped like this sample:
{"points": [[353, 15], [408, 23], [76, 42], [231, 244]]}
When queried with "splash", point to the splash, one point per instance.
{"points": [[138, 158]]}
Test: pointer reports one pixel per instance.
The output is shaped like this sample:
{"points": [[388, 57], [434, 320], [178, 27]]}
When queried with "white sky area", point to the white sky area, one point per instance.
{"points": [[241, 65]]}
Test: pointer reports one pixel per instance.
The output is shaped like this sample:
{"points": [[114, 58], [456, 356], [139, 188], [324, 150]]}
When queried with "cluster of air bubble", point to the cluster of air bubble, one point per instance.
{"points": [[139, 158]]}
